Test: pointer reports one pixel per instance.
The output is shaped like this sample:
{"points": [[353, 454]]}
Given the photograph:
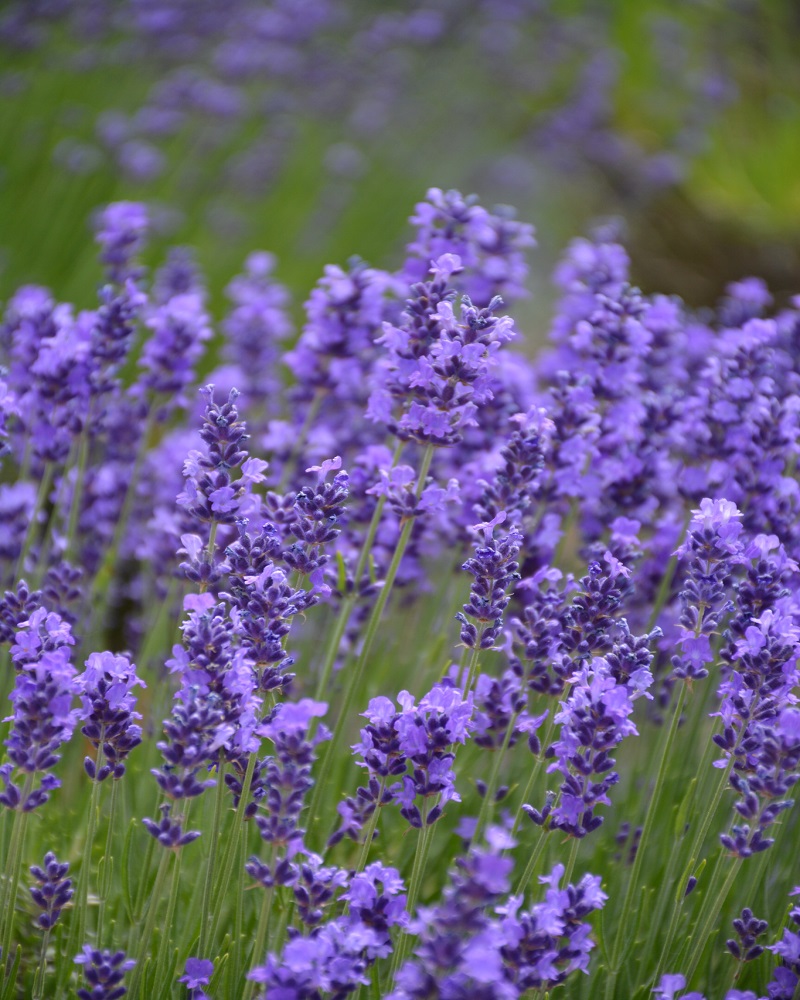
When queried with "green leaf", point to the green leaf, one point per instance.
{"points": [[9, 987]]}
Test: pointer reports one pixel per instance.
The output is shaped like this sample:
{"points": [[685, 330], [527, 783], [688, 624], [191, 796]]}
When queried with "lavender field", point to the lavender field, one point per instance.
{"points": [[370, 626]]}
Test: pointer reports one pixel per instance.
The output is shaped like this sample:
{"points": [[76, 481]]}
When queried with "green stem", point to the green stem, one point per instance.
{"points": [[334, 643], [573, 854], [348, 602], [105, 882], [77, 930], [230, 858], [150, 922], [41, 972], [487, 806], [664, 756], [12, 873], [357, 672], [212, 541], [535, 769], [75, 506], [533, 861], [472, 669], [41, 499], [300, 440], [414, 886], [261, 935], [166, 934], [205, 906], [709, 914], [370, 831], [102, 581]]}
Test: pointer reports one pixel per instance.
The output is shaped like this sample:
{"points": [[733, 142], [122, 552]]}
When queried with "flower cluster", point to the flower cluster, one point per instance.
{"points": [[465, 950]]}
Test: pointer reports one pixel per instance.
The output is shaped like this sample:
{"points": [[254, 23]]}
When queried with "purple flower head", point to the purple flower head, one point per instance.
{"points": [[121, 231], [211, 495], [748, 930], [491, 246], [44, 631], [109, 712], [179, 328], [43, 720], [254, 329], [197, 975], [711, 550], [104, 972], [438, 368], [53, 890], [495, 570]]}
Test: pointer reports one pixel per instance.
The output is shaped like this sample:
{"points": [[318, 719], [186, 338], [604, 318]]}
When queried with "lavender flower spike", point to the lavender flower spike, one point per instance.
{"points": [[104, 972]]}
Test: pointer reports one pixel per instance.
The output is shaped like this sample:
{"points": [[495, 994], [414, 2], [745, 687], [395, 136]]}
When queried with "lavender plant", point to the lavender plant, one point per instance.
{"points": [[517, 603]]}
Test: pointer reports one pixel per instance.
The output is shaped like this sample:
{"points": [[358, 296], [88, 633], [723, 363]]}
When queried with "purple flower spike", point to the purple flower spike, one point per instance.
{"points": [[53, 892], [438, 369], [168, 833], [711, 550], [104, 972], [121, 232], [109, 710], [43, 720]]}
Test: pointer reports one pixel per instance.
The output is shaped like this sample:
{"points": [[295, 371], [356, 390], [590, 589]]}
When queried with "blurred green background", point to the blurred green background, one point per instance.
{"points": [[460, 122]]}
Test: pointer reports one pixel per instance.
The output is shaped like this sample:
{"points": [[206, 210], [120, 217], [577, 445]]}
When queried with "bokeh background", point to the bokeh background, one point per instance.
{"points": [[311, 127]]}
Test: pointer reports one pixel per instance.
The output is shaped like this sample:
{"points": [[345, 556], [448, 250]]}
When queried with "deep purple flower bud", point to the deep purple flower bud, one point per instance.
{"points": [[104, 972], [748, 929], [53, 892], [168, 833]]}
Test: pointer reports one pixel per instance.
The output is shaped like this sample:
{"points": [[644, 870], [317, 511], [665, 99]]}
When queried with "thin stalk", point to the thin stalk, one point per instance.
{"points": [[370, 831], [212, 540], [357, 672], [652, 806], [12, 874], [105, 882], [335, 641], [697, 843], [573, 854], [104, 575], [487, 806], [230, 858], [238, 917], [533, 861], [261, 936], [348, 602], [472, 669], [205, 906], [77, 930], [414, 886], [150, 922], [41, 971], [300, 440], [75, 506], [709, 914], [41, 499], [164, 943], [535, 770]]}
